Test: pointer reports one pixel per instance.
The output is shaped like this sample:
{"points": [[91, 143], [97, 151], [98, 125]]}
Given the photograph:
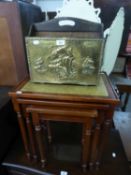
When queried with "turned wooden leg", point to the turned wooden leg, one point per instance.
{"points": [[38, 133], [46, 126], [31, 136], [96, 140], [23, 134], [86, 144], [94, 148], [49, 131], [104, 135]]}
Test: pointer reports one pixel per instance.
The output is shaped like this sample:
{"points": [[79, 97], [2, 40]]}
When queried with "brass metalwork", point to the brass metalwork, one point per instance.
{"points": [[64, 60]]}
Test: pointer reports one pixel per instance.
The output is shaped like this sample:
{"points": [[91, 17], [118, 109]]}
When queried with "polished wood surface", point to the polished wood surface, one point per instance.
{"points": [[13, 59], [67, 107], [15, 20], [69, 115]]}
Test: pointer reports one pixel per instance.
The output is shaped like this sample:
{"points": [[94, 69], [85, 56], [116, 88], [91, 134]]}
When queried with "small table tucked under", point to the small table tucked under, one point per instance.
{"points": [[93, 106]]}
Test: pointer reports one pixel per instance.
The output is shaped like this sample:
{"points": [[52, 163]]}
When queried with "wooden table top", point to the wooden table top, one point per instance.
{"points": [[102, 91]]}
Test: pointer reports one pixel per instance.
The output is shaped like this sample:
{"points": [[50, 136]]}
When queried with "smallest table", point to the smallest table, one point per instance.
{"points": [[93, 106]]}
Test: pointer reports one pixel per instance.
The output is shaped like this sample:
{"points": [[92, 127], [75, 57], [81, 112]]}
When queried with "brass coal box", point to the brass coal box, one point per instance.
{"points": [[64, 60]]}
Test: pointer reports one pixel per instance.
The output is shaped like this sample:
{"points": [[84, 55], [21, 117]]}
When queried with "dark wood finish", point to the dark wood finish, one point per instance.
{"points": [[13, 60], [15, 20], [55, 114], [37, 125], [63, 107], [49, 131], [31, 136], [53, 26], [95, 140]]}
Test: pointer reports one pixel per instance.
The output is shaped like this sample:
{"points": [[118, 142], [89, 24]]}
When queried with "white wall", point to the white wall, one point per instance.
{"points": [[49, 5]]}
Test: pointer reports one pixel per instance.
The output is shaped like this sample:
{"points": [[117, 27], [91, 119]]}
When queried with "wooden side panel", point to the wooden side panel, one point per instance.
{"points": [[7, 68], [12, 52]]}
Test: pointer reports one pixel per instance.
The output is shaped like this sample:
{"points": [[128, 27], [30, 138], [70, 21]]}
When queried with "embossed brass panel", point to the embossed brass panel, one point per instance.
{"points": [[64, 60]]}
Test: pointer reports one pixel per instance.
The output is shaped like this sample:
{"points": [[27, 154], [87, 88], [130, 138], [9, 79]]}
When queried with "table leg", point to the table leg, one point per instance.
{"points": [[104, 134], [94, 148], [23, 134], [96, 140], [46, 126], [22, 126], [31, 136], [49, 131], [86, 143], [36, 123]]}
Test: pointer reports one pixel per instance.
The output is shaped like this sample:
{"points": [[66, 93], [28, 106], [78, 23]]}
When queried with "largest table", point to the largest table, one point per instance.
{"points": [[101, 99]]}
